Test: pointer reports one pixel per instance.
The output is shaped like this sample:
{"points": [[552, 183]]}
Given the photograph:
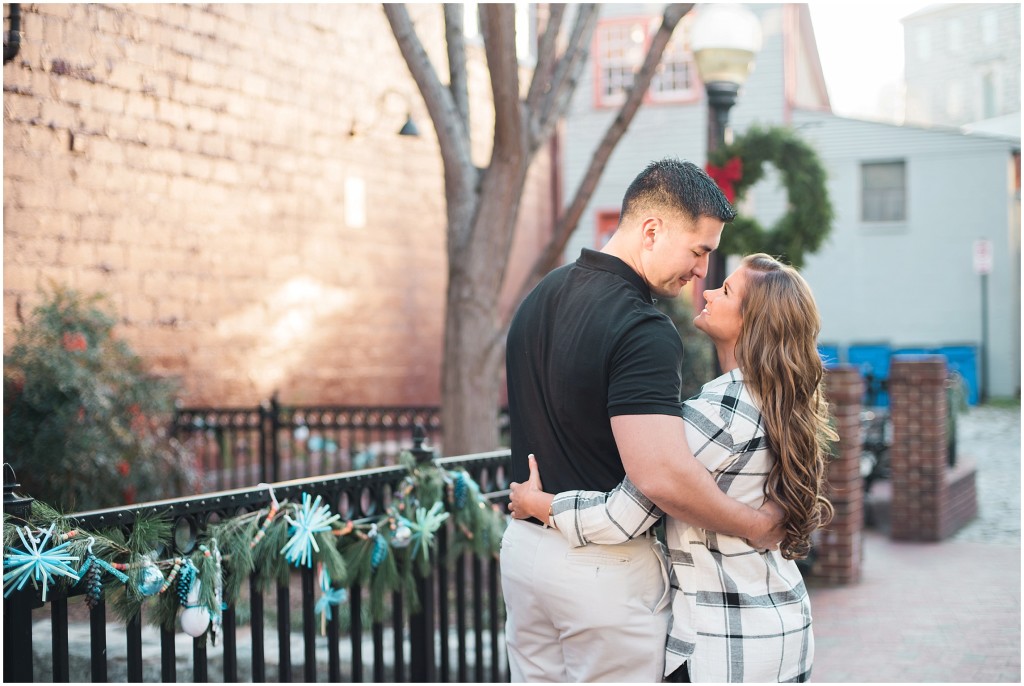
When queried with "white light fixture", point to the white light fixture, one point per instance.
{"points": [[724, 39]]}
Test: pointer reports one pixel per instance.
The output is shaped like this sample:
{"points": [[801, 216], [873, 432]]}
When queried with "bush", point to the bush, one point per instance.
{"points": [[85, 426]]}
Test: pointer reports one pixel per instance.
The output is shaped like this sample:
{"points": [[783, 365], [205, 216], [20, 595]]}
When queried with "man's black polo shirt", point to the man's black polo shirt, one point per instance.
{"points": [[587, 344]]}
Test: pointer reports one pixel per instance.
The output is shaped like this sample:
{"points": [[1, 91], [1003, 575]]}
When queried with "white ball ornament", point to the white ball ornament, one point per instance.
{"points": [[195, 618], [402, 537]]}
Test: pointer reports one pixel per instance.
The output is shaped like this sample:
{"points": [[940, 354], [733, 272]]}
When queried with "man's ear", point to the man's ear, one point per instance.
{"points": [[651, 229]]}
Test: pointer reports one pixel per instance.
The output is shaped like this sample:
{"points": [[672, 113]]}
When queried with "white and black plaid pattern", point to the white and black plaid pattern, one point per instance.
{"points": [[738, 614]]}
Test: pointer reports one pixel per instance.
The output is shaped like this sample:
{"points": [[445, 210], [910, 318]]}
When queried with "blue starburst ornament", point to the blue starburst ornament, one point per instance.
{"points": [[310, 519], [424, 526], [36, 562], [330, 597]]}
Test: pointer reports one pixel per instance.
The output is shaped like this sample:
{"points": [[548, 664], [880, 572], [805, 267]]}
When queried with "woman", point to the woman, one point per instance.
{"points": [[761, 428]]}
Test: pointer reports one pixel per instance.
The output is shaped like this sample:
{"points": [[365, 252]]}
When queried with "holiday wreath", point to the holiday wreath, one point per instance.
{"points": [[380, 553], [738, 166]]}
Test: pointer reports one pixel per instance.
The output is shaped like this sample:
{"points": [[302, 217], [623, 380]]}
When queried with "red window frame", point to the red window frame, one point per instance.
{"points": [[648, 25]]}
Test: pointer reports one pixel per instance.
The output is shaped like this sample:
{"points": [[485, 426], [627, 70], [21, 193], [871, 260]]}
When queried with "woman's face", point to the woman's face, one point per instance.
{"points": [[720, 319]]}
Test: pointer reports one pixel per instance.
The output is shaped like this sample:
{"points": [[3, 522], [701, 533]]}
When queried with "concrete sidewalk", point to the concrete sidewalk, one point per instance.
{"points": [[947, 611]]}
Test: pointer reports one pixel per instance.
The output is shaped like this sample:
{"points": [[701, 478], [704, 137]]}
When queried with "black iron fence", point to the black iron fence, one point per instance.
{"points": [[455, 635], [237, 447]]}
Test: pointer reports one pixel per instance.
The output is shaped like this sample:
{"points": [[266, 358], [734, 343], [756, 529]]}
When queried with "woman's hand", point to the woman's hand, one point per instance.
{"points": [[529, 499]]}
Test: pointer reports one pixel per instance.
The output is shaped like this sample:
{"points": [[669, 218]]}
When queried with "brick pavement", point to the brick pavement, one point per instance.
{"points": [[937, 612]]}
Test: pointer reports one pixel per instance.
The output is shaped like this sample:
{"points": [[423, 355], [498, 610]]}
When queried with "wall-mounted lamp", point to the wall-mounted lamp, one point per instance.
{"points": [[386, 110]]}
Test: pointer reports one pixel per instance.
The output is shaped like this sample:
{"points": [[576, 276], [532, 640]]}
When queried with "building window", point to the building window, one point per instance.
{"points": [[620, 46], [883, 192], [956, 35], [989, 27], [923, 42], [990, 103], [607, 222], [955, 101], [675, 77]]}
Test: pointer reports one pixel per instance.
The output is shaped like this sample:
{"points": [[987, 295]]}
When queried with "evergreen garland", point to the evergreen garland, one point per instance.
{"points": [[380, 554], [808, 220]]}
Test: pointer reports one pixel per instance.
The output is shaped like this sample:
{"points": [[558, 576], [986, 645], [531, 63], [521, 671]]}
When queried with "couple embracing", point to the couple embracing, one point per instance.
{"points": [[735, 474]]}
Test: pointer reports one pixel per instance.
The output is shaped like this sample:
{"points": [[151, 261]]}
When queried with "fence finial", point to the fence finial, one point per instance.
{"points": [[419, 436], [15, 505]]}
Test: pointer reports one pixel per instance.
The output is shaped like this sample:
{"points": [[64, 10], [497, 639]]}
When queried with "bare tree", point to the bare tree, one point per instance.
{"points": [[482, 203]]}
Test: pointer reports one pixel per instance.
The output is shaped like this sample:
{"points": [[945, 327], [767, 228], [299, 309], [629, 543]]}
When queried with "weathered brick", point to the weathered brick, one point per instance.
{"points": [[234, 189]]}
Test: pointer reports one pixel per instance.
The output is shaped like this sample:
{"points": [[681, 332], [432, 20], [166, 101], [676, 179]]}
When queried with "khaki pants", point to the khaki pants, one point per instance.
{"points": [[596, 613]]}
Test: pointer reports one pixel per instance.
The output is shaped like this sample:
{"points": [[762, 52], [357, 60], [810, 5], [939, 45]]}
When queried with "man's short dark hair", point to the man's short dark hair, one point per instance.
{"points": [[680, 186]]}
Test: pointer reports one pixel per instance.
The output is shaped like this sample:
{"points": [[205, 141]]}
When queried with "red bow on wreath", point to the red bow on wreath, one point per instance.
{"points": [[726, 175]]}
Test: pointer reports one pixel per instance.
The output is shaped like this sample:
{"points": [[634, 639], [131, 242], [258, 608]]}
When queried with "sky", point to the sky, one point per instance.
{"points": [[862, 83]]}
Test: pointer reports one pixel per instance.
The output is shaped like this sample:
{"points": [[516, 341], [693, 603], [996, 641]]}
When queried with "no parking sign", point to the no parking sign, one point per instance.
{"points": [[982, 256]]}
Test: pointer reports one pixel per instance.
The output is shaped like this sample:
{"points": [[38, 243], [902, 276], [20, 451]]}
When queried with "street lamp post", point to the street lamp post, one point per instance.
{"points": [[724, 40]]}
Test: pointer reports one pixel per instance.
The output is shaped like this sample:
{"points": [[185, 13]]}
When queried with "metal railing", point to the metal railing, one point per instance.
{"points": [[237, 447], [455, 635]]}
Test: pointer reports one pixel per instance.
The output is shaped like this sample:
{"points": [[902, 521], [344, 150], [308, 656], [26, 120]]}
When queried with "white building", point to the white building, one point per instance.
{"points": [[962, 64], [904, 277]]}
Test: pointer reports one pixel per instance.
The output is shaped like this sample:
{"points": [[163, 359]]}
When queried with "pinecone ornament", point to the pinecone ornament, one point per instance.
{"points": [[93, 584], [461, 490], [185, 578]]}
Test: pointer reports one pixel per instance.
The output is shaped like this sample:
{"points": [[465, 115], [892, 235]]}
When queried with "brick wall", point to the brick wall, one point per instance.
{"points": [[839, 550], [930, 501], [195, 163]]}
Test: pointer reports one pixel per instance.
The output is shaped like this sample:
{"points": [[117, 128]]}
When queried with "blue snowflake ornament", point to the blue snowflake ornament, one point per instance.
{"points": [[424, 526], [330, 597], [310, 519], [36, 563]]}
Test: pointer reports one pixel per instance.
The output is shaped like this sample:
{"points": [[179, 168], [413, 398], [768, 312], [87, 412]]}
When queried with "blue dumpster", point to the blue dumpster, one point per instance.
{"points": [[829, 354], [873, 361], [963, 359], [918, 350]]}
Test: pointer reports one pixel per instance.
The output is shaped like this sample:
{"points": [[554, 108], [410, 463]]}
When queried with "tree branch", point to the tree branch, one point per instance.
{"points": [[498, 25], [569, 219], [546, 52], [567, 73], [455, 39], [452, 131]]}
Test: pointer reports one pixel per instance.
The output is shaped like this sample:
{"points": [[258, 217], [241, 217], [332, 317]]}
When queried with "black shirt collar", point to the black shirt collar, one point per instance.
{"points": [[592, 259]]}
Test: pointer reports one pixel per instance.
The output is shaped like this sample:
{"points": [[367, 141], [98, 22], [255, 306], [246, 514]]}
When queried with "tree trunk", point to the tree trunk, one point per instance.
{"points": [[474, 344], [471, 383]]}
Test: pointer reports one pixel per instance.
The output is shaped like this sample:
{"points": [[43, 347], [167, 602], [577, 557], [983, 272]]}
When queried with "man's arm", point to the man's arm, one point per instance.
{"points": [[659, 462]]}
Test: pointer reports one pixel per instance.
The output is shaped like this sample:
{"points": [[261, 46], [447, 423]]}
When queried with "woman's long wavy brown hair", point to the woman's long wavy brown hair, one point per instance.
{"points": [[777, 352]]}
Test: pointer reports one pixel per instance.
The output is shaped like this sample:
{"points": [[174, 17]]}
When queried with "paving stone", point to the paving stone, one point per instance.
{"points": [[946, 611]]}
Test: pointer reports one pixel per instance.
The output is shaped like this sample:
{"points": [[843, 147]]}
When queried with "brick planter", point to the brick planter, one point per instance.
{"points": [[930, 501], [838, 550]]}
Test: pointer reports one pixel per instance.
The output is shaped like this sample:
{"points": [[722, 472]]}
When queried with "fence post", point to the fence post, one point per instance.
{"points": [[18, 606], [270, 422], [422, 666]]}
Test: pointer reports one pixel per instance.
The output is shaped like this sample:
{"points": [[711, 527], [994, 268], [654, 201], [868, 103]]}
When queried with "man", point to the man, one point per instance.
{"points": [[593, 373]]}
